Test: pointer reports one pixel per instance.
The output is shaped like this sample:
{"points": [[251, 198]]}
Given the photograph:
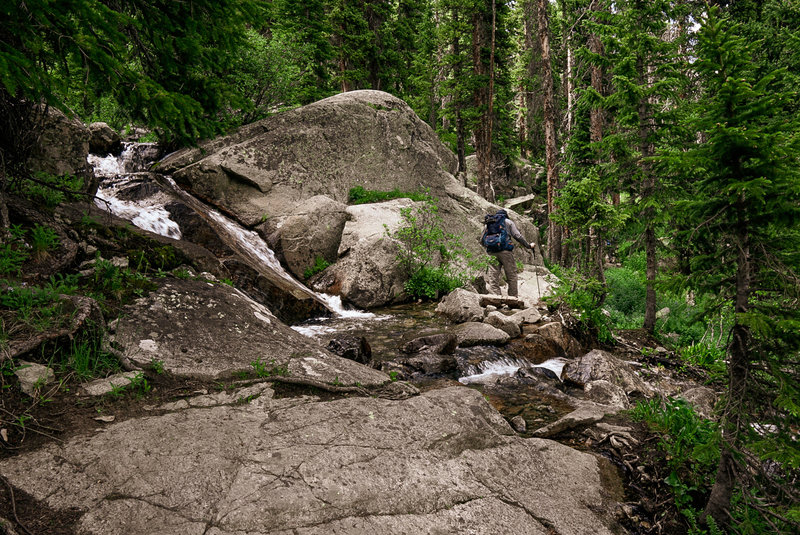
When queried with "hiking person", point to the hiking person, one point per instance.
{"points": [[496, 239]]}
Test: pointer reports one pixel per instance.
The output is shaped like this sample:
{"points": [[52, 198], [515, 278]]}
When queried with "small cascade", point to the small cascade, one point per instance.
{"points": [[141, 197], [506, 366], [245, 242], [121, 185]]}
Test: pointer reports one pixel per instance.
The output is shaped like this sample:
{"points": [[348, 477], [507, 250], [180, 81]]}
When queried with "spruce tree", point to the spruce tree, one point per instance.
{"points": [[745, 247]]}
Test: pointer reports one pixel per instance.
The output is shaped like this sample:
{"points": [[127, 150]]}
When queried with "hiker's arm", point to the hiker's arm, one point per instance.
{"points": [[517, 235]]}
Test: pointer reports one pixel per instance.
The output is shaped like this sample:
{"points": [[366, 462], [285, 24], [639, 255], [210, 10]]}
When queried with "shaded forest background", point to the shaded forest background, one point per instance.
{"points": [[666, 132]]}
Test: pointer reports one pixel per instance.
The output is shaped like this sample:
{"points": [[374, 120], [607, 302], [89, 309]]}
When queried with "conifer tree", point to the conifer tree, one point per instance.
{"points": [[745, 247]]}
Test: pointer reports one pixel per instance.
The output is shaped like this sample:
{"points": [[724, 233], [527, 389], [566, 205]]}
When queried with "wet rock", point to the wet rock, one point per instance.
{"points": [[104, 140], [444, 344], [598, 364], [584, 415], [461, 306], [430, 363], [473, 333], [519, 424], [505, 323], [351, 347], [433, 463], [33, 377], [558, 336], [606, 393], [312, 231], [207, 330]]}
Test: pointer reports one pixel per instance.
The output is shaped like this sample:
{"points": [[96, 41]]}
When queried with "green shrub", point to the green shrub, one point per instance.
{"points": [[583, 296], [432, 282], [358, 195], [320, 264], [428, 254], [12, 257], [691, 447], [626, 291], [43, 239]]}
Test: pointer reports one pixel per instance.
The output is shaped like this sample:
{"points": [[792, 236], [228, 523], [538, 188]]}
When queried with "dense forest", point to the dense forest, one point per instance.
{"points": [[666, 133]]}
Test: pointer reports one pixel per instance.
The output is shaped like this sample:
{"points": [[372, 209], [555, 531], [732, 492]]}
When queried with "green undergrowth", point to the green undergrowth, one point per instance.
{"points": [[690, 446], [359, 195]]}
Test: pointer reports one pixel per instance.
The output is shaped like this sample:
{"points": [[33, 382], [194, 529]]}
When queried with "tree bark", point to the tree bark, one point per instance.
{"points": [[458, 69], [482, 99], [719, 500], [648, 190], [551, 153]]}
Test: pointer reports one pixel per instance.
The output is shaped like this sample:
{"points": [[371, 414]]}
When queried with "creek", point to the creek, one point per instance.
{"points": [[133, 193]]}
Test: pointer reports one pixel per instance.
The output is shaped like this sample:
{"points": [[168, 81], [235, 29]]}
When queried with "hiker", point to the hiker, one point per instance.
{"points": [[496, 238]]}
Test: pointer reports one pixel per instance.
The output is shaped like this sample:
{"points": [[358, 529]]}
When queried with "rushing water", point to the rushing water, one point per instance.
{"points": [[121, 173], [129, 193]]}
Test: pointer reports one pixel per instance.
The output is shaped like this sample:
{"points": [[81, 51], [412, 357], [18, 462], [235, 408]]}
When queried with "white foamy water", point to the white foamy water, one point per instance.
{"points": [[334, 303], [147, 214], [488, 370]]}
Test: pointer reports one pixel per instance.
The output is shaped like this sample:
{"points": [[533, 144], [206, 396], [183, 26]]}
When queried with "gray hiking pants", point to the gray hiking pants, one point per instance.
{"points": [[506, 263]]}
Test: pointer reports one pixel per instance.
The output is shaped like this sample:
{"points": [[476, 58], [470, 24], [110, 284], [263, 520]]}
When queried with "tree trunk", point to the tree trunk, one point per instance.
{"points": [[646, 151], [738, 370], [482, 98], [458, 70], [551, 153]]}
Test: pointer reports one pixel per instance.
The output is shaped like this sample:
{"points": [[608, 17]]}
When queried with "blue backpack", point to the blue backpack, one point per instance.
{"points": [[495, 236]]}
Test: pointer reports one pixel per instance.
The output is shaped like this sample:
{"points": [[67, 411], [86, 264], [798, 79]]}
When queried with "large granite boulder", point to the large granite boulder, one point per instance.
{"points": [[62, 147], [263, 172], [210, 330], [442, 462], [313, 231], [601, 365], [360, 138]]}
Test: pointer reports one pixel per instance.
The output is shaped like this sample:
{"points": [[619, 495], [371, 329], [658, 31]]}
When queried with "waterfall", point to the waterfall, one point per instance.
{"points": [[126, 190], [120, 174], [508, 366]]}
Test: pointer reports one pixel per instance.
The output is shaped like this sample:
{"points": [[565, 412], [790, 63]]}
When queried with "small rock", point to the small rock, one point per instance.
{"points": [[32, 376], [519, 424], [101, 387], [105, 419]]}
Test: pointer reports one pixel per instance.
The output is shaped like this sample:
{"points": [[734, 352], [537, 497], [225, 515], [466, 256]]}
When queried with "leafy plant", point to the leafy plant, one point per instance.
{"points": [[583, 296], [320, 264], [12, 257], [691, 447], [427, 253], [359, 195], [43, 239], [87, 360], [262, 370]]}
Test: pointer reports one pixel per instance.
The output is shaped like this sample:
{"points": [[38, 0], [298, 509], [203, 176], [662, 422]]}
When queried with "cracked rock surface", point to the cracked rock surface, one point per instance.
{"points": [[210, 330], [441, 462]]}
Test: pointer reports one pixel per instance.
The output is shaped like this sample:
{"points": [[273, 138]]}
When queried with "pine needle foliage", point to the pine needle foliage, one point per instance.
{"points": [[743, 240]]}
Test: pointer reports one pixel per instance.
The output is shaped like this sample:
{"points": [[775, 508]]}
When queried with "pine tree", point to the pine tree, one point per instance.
{"points": [[745, 245]]}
